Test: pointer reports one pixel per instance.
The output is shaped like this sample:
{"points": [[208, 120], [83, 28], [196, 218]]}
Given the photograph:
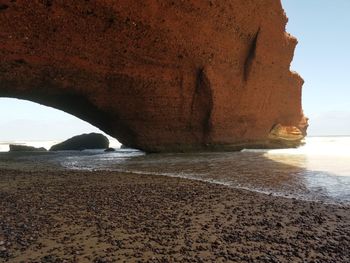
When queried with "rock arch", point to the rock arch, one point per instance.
{"points": [[158, 75]]}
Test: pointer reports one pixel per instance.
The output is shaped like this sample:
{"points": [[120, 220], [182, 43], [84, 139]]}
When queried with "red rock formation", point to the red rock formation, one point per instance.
{"points": [[157, 74]]}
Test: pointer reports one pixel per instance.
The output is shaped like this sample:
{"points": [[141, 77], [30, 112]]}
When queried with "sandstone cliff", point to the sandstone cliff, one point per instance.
{"points": [[159, 75]]}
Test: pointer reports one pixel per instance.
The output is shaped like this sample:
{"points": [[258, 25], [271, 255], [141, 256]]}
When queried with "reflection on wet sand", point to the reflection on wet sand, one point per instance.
{"points": [[276, 174]]}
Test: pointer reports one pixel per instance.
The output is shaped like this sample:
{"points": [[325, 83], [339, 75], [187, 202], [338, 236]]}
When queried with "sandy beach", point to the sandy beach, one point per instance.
{"points": [[68, 216]]}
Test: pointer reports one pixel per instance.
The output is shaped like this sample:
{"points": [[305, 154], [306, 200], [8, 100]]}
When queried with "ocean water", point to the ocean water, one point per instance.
{"points": [[318, 171]]}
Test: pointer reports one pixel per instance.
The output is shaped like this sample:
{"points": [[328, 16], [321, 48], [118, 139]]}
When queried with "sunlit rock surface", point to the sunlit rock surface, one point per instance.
{"points": [[159, 75]]}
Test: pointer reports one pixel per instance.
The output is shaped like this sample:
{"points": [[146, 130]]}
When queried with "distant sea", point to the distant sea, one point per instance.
{"points": [[319, 170]]}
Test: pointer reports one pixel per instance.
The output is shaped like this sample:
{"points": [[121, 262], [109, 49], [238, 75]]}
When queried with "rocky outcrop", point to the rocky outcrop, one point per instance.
{"points": [[282, 136], [110, 150], [157, 75], [83, 142], [25, 148]]}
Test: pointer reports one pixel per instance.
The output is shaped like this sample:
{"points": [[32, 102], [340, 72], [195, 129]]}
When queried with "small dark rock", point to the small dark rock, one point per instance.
{"points": [[110, 150]]}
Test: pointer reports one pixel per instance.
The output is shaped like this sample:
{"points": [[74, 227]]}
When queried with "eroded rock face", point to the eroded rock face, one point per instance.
{"points": [[159, 75]]}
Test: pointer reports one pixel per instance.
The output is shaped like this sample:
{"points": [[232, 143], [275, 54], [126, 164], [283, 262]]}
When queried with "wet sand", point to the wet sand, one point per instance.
{"points": [[68, 216]]}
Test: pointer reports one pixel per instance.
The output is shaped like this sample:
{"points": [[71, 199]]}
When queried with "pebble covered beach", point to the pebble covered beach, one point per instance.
{"points": [[76, 216]]}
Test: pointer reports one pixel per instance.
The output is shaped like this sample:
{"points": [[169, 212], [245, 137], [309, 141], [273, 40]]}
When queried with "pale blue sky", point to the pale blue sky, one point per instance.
{"points": [[322, 58], [25, 120]]}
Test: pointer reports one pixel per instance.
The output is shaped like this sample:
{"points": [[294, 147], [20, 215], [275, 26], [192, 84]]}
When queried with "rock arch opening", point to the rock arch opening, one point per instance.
{"points": [[32, 124]]}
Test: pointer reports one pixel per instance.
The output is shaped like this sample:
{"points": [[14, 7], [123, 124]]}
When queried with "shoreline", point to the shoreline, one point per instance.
{"points": [[101, 216]]}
